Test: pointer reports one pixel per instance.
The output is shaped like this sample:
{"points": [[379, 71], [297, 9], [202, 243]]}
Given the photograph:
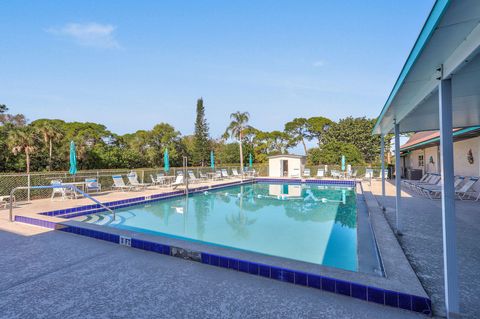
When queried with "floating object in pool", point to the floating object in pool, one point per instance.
{"points": [[259, 196], [324, 200], [205, 192], [226, 194], [239, 195]]}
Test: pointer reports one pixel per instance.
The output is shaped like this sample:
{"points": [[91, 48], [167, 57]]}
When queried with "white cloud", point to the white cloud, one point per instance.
{"points": [[89, 34], [318, 63]]}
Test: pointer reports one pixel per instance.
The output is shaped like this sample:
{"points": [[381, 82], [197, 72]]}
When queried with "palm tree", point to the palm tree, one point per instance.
{"points": [[50, 133], [23, 139], [237, 129]]}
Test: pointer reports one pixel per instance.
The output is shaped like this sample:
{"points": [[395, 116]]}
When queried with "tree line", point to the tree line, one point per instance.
{"points": [[43, 144]]}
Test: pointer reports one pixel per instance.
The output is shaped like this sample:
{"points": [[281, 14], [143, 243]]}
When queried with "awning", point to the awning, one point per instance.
{"points": [[449, 43]]}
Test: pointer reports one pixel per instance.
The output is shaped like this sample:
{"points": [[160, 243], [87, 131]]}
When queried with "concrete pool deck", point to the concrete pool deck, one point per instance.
{"points": [[422, 243], [51, 274], [399, 279]]}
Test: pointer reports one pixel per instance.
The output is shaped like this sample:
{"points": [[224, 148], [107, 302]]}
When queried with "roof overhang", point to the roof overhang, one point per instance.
{"points": [[449, 41]]}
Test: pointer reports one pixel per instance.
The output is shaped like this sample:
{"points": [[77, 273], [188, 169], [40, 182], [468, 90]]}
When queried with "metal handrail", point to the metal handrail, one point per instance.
{"points": [[71, 187]]}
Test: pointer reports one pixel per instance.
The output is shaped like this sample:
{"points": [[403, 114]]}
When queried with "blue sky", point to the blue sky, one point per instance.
{"points": [[131, 64]]}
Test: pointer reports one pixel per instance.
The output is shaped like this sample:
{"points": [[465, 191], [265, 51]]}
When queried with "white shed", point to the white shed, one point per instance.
{"points": [[286, 165]]}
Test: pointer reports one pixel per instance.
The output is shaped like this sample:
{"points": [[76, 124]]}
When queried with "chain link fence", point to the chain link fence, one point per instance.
{"points": [[104, 177]]}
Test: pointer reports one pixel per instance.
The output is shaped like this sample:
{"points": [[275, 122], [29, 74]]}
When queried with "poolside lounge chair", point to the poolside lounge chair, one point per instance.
{"points": [[192, 178], [465, 192], [178, 181], [235, 173], [335, 173], [92, 184], [295, 173], [5, 201], [320, 173], [133, 180], [368, 173], [435, 191], [306, 173], [218, 175], [203, 176], [62, 191], [225, 173], [435, 179], [408, 182], [118, 183]]}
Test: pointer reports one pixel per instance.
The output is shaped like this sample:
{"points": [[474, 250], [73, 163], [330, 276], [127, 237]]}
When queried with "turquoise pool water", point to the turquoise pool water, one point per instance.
{"points": [[311, 223]]}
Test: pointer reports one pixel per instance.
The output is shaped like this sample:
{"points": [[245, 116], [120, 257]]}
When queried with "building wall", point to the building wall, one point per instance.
{"points": [[275, 166], [460, 153]]}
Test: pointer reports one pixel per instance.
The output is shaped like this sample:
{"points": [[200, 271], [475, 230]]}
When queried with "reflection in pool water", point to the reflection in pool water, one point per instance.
{"points": [[305, 222]]}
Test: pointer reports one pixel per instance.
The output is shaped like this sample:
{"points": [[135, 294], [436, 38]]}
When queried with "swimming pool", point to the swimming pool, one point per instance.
{"points": [[305, 222]]}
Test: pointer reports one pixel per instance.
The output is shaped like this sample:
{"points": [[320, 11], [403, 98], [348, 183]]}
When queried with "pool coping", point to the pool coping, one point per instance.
{"points": [[396, 289]]}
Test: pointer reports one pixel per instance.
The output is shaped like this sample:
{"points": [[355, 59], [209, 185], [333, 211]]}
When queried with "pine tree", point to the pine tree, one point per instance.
{"points": [[201, 151]]}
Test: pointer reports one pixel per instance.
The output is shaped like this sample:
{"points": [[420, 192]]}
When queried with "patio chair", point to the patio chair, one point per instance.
{"points": [[133, 180], [368, 173], [408, 182], [178, 181], [335, 173], [295, 173], [92, 184], [320, 173], [235, 173], [5, 201], [192, 178], [225, 173], [64, 193], [218, 175], [203, 176], [432, 181], [466, 192], [118, 183], [435, 191], [306, 173]]}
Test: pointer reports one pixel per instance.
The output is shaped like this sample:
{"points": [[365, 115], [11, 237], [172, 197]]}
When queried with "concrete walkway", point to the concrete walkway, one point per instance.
{"points": [[60, 275], [422, 243]]}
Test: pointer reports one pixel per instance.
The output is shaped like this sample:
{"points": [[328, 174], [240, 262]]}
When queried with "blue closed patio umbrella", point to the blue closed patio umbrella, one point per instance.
{"points": [[166, 162], [73, 159], [343, 162], [212, 160]]}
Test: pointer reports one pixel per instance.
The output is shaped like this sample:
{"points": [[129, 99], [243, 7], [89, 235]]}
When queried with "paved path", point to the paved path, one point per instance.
{"points": [[422, 243], [60, 275]]}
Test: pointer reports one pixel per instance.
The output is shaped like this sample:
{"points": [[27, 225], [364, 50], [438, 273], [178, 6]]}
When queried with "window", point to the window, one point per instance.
{"points": [[420, 160]]}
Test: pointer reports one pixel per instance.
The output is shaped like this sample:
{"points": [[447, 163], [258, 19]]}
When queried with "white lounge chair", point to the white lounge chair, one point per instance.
{"points": [[225, 173], [192, 178], [435, 191], [235, 173], [465, 192], [306, 173], [178, 181], [295, 173], [5, 201], [203, 176], [62, 191], [368, 173], [320, 173], [133, 180], [92, 184], [118, 183], [409, 182]]}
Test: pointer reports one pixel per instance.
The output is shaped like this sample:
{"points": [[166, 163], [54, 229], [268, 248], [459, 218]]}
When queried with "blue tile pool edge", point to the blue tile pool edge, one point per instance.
{"points": [[367, 293], [73, 212], [96, 208]]}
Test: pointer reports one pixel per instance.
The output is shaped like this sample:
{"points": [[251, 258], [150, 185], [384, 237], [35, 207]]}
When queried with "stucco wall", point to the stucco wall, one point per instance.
{"points": [[460, 151], [275, 166]]}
